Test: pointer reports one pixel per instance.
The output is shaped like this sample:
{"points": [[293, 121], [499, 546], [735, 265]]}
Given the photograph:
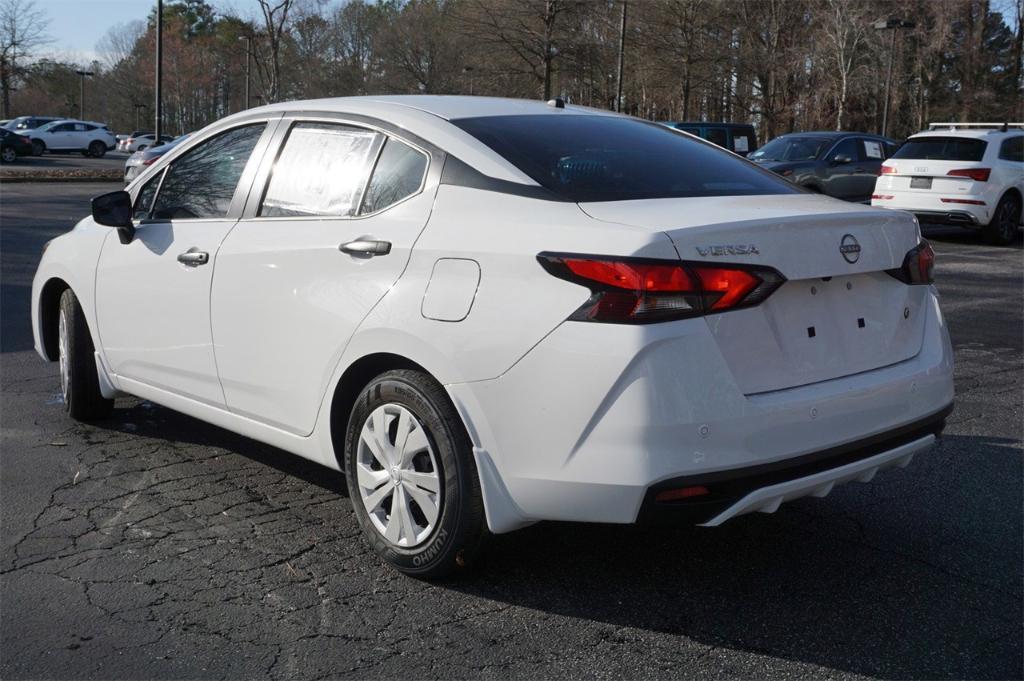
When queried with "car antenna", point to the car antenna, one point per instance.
{"points": [[557, 102]]}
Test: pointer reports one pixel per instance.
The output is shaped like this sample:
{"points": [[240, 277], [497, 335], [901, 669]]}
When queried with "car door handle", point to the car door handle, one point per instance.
{"points": [[193, 257], [858, 170], [366, 247]]}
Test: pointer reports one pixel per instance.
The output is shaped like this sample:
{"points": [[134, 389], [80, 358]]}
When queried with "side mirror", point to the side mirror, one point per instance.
{"points": [[115, 210], [840, 159]]}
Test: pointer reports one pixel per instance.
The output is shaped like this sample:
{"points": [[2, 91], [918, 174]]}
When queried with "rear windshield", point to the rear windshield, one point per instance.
{"points": [[942, 149], [792, 149], [606, 158]]}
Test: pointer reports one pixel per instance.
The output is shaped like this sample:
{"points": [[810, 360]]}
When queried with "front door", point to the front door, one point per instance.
{"points": [[152, 295], [318, 249]]}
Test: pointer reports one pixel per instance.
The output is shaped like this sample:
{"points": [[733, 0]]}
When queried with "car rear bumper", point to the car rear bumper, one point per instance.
{"points": [[958, 218], [765, 487], [589, 425], [931, 209]]}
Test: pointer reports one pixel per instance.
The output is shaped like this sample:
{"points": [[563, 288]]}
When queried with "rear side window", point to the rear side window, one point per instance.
{"points": [[321, 171], [399, 173], [1012, 149], [873, 150], [741, 143], [607, 158], [202, 182], [942, 149], [718, 136]]}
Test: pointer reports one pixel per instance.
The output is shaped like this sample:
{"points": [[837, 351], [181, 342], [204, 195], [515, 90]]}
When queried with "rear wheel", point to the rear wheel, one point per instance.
{"points": [[38, 147], [79, 381], [97, 149], [412, 478], [8, 155], [1005, 222]]}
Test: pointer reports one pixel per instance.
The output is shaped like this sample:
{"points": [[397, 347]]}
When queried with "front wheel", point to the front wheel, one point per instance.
{"points": [[1002, 230], [79, 381], [412, 478]]}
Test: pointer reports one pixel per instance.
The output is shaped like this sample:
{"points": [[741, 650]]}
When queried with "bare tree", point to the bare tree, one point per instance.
{"points": [[22, 29], [118, 43], [845, 27], [275, 26]]}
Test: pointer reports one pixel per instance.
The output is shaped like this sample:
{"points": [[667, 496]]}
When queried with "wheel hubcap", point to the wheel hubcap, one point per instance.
{"points": [[65, 356], [398, 477]]}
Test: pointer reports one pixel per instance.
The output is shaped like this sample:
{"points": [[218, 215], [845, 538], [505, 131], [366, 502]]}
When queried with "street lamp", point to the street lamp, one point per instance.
{"points": [[468, 70], [248, 53], [83, 74], [890, 25]]}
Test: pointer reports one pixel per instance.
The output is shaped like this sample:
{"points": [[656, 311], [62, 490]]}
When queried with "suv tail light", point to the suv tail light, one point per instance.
{"points": [[976, 174], [642, 290], [918, 265]]}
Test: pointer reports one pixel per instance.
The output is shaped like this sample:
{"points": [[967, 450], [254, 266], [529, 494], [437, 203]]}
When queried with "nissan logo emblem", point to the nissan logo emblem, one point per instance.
{"points": [[849, 248]]}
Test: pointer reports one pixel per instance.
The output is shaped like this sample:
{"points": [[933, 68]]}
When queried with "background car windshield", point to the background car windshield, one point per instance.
{"points": [[605, 158], [792, 149], [942, 149]]}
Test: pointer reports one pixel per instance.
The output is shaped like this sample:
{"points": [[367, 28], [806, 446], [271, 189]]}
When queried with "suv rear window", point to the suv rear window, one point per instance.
{"points": [[606, 158], [942, 149]]}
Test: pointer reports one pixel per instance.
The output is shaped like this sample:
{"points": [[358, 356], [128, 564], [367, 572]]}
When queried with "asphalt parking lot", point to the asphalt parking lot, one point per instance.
{"points": [[59, 161], [155, 546]]}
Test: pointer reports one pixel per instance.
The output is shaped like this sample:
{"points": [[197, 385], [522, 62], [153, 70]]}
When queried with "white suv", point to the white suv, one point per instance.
{"points": [[966, 174], [92, 139]]}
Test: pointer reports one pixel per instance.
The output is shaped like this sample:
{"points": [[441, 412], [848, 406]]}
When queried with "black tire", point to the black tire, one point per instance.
{"points": [[8, 155], [80, 383], [458, 536], [38, 147], [1005, 224], [97, 149]]}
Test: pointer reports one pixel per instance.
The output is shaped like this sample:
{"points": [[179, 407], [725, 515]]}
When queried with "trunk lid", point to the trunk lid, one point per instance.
{"points": [[910, 173], [832, 317]]}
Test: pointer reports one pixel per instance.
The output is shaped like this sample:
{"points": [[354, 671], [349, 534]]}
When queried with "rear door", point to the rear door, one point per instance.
{"points": [[328, 230], [153, 294]]}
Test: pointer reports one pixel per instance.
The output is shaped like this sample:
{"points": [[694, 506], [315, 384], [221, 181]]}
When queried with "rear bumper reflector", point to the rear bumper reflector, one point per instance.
{"points": [[969, 202]]}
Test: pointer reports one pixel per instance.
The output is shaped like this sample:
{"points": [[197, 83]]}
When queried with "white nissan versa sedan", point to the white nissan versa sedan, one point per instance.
{"points": [[491, 312]]}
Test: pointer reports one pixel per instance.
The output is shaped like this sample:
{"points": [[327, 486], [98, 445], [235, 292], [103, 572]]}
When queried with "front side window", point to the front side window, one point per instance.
{"points": [[847, 148], [942, 149], [202, 182], [321, 171], [144, 200], [398, 174], [1012, 149], [607, 158]]}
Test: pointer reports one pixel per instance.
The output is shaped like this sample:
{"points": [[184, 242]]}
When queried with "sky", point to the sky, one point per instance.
{"points": [[77, 25]]}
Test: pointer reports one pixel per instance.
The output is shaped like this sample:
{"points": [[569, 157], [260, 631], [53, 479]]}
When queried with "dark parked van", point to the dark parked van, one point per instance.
{"points": [[736, 137]]}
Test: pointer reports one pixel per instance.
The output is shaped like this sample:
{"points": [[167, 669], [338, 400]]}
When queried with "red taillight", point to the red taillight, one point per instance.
{"points": [[887, 170], [26, 140], [918, 265], [976, 174], [150, 161], [882, 197], [639, 291]]}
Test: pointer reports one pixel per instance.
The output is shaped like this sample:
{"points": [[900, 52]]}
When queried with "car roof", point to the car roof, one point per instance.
{"points": [[429, 117], [966, 133], [447, 107]]}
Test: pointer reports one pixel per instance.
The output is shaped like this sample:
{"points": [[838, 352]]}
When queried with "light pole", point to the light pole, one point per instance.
{"points": [[468, 70], [81, 111], [248, 51], [890, 25], [159, 66]]}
